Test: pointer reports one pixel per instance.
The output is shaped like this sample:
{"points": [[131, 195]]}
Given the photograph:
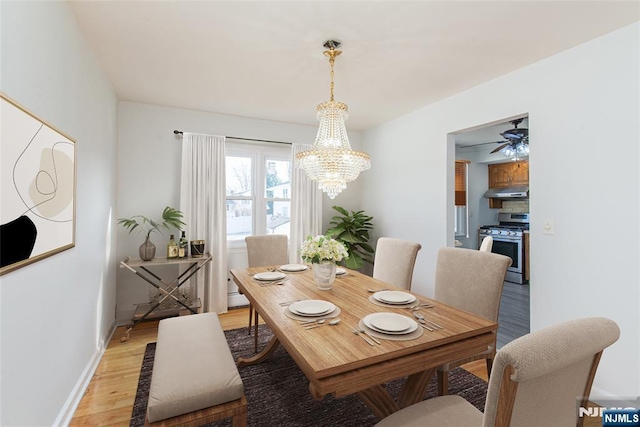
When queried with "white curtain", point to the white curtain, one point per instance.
{"points": [[203, 203], [306, 207]]}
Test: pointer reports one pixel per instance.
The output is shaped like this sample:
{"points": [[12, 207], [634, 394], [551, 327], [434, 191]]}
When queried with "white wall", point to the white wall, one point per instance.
{"points": [[57, 313], [149, 173], [583, 107]]}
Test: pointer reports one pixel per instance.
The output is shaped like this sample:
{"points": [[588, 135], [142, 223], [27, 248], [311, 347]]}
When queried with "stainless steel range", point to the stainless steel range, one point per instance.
{"points": [[508, 240]]}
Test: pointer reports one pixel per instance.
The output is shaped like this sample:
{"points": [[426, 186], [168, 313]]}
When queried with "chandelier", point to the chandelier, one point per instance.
{"points": [[331, 161]]}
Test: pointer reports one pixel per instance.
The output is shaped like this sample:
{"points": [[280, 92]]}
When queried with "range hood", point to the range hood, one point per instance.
{"points": [[521, 192]]}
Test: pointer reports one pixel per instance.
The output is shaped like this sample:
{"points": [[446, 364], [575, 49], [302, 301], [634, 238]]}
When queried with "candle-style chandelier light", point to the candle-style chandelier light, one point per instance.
{"points": [[331, 162]]}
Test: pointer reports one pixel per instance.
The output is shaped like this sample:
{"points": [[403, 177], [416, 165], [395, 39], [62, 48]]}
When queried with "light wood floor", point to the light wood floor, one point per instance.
{"points": [[109, 398], [108, 401]]}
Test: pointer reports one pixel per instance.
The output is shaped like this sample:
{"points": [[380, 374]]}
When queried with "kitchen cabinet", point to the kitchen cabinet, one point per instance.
{"points": [[520, 174], [509, 174]]}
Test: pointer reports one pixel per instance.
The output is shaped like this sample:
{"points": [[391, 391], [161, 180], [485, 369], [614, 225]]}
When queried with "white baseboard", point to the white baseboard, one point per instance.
{"points": [[71, 404], [125, 316], [236, 300]]}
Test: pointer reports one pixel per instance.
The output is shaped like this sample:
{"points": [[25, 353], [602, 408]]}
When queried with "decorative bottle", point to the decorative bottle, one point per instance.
{"points": [[183, 246], [172, 248]]}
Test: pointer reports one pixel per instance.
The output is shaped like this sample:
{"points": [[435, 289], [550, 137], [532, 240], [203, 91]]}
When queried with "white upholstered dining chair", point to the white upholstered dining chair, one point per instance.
{"points": [[471, 281], [272, 250], [394, 261], [487, 244], [535, 381]]}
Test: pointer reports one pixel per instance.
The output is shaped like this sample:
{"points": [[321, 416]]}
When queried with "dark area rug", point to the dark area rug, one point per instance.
{"points": [[278, 395]]}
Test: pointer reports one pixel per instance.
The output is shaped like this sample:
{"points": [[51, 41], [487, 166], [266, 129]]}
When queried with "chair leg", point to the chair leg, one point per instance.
{"points": [[255, 335], [489, 366], [250, 318], [443, 383]]}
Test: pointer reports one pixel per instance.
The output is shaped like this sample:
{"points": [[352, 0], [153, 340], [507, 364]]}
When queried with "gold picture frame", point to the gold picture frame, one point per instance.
{"points": [[37, 188]]}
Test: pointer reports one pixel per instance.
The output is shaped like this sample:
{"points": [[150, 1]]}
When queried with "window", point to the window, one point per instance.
{"points": [[258, 190]]}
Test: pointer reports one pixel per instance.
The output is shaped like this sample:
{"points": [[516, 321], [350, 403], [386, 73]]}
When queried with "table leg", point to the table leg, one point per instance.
{"points": [[382, 404], [255, 333], [414, 388], [379, 401], [260, 357], [125, 337]]}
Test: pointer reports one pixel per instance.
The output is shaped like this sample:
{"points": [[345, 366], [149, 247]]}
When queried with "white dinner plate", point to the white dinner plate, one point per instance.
{"points": [[293, 267], [312, 315], [394, 297], [340, 271], [390, 323], [312, 307], [269, 275]]}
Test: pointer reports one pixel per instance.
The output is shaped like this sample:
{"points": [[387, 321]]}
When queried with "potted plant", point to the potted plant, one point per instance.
{"points": [[170, 218], [352, 230], [323, 253]]}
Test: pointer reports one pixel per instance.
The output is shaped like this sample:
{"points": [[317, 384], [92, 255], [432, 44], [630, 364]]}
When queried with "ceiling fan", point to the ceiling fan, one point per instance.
{"points": [[515, 143]]}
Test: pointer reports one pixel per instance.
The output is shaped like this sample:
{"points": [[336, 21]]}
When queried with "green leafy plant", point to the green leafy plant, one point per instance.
{"points": [[170, 218], [352, 230]]}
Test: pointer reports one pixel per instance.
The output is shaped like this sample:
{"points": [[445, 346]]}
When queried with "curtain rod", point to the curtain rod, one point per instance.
{"points": [[179, 132]]}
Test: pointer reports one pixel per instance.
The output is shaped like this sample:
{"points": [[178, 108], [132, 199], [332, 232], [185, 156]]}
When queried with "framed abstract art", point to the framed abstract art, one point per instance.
{"points": [[37, 188]]}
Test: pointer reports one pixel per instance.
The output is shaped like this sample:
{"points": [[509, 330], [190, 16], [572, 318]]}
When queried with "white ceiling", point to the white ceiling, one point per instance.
{"points": [[263, 59]]}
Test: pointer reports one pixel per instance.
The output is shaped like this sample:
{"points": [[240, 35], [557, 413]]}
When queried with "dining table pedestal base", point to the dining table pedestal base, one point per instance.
{"points": [[415, 388], [260, 357], [376, 398], [382, 404]]}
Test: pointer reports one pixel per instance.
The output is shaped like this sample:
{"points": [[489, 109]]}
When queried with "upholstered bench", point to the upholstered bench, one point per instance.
{"points": [[194, 379]]}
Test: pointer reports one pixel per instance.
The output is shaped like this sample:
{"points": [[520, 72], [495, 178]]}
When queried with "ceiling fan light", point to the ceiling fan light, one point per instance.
{"points": [[516, 150], [523, 149], [508, 151]]}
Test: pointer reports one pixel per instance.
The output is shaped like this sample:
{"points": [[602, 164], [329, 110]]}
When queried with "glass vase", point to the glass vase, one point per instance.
{"points": [[324, 274], [147, 250]]}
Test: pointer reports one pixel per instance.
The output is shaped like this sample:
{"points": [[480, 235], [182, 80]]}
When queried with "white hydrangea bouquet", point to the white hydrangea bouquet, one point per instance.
{"points": [[322, 248]]}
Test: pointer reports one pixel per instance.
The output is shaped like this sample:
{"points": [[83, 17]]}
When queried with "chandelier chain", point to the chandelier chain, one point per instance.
{"points": [[332, 61], [332, 53]]}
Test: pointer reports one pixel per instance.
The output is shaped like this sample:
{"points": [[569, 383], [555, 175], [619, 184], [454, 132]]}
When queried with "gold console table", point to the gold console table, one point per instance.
{"points": [[167, 290]]}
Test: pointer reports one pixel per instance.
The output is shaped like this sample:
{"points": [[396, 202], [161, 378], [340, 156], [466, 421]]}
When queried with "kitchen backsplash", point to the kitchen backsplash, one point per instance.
{"points": [[515, 206]]}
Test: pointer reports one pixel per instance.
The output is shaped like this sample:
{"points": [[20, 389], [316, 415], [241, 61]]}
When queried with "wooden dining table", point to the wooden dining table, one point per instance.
{"points": [[337, 361]]}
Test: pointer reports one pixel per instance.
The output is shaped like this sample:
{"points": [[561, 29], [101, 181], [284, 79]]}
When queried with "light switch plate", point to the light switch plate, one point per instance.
{"points": [[547, 226]]}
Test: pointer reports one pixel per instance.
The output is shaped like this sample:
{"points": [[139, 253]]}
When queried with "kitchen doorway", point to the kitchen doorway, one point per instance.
{"points": [[474, 147]]}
